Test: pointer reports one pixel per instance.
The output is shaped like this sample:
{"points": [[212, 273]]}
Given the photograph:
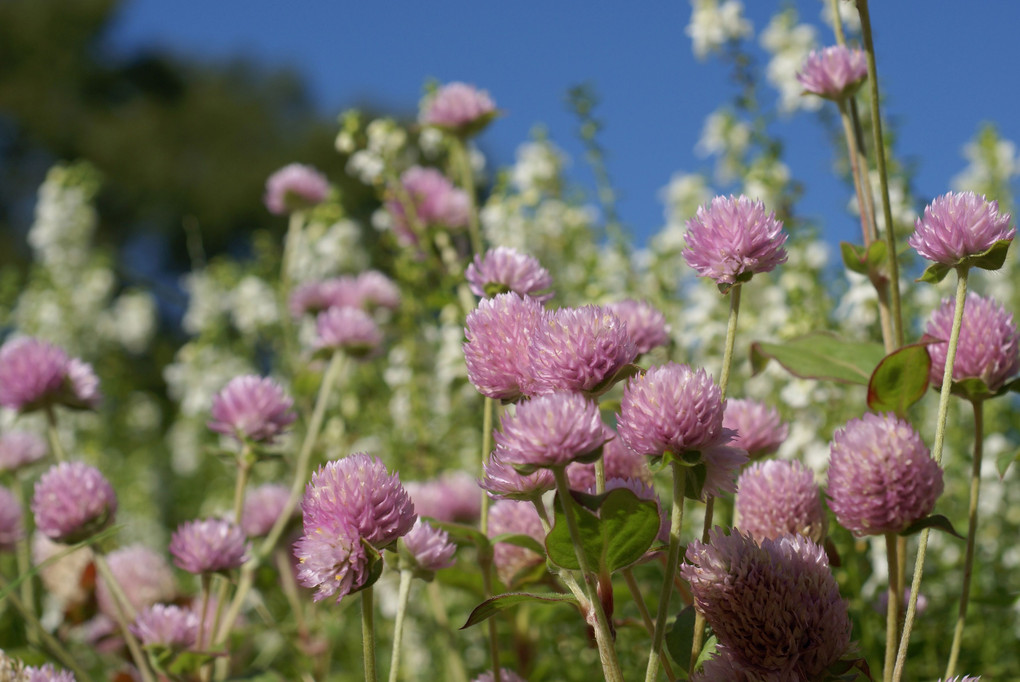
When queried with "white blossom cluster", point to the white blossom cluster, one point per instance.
{"points": [[713, 24], [789, 43]]}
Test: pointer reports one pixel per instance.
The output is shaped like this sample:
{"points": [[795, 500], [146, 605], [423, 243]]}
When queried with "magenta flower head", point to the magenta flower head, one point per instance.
{"points": [[209, 546], [963, 678], [332, 559], [775, 607], [11, 527], [776, 498], [459, 108], [295, 188], [646, 326], [72, 502], [143, 574], [262, 507], [498, 335], [988, 345], [503, 269], [376, 290], [833, 72], [513, 516], [435, 200], [453, 496], [504, 674], [503, 481], [430, 548], [162, 625], [758, 427], [957, 227], [47, 673], [252, 408], [618, 460], [35, 375], [732, 239], [881, 476], [551, 431], [351, 330], [579, 349], [19, 449]]}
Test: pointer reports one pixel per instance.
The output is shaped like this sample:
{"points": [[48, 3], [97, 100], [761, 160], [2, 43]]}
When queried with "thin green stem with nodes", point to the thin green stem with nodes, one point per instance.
{"points": [[672, 561], [368, 633], [403, 593]]}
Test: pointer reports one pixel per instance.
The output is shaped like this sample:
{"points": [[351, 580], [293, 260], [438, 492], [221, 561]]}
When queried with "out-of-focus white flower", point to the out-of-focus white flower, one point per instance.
{"points": [[208, 301], [326, 249], [765, 180], [723, 134], [789, 43], [253, 305], [197, 373], [991, 161], [713, 24], [538, 166], [366, 165], [858, 307], [65, 221], [430, 141], [131, 321], [847, 13], [681, 197]]}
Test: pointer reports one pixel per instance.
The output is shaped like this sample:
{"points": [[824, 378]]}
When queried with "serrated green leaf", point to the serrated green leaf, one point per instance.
{"points": [[899, 380], [501, 602], [680, 637], [936, 521], [821, 355]]}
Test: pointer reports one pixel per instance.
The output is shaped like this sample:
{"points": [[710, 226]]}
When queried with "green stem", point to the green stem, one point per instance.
{"points": [[123, 614], [672, 560], [368, 634], [54, 437], [646, 618], [972, 519], [487, 410], [731, 338], [403, 594], [892, 616], [837, 23], [23, 557], [462, 161]]}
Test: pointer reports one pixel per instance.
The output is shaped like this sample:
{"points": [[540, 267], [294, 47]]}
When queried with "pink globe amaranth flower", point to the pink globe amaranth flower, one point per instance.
{"points": [[252, 408], [551, 431], [881, 476], [377, 290], [777, 498], [504, 674], [35, 375], [988, 345], [513, 516], [143, 574], [11, 528], [503, 481], [502, 270], [963, 678], [73, 501], [758, 427], [956, 226], [46, 673], [168, 626], [453, 496], [430, 547], [579, 349], [332, 559], [262, 507], [436, 202], [295, 188], [646, 325], [19, 449], [209, 546], [618, 460], [775, 607], [833, 72], [368, 290], [498, 336], [733, 238], [83, 384], [459, 107], [351, 330], [358, 490]]}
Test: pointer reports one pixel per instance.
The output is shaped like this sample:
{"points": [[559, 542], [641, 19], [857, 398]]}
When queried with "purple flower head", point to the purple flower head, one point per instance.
{"points": [[451, 497], [551, 431], [957, 226], [503, 481], [11, 527], [964, 678], [166, 625], [359, 491], [503, 269], [262, 507], [504, 674], [774, 606], [881, 475], [513, 516], [143, 574], [833, 72], [430, 547], [209, 546], [83, 385], [579, 349], [436, 202], [251, 407], [377, 290], [458, 107], [725, 666], [73, 501], [19, 449], [370, 289], [733, 238], [35, 374], [988, 346], [498, 335], [757, 426], [776, 498], [646, 325], [332, 559], [349, 329], [618, 460], [295, 188], [46, 673]]}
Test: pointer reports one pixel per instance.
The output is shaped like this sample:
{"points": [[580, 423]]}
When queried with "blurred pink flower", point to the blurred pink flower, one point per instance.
{"points": [[833, 72], [253, 408], [294, 188], [503, 269], [458, 107]]}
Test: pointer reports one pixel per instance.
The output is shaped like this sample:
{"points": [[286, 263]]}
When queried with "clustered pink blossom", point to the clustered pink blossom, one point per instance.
{"points": [[776, 498], [988, 348], [516, 517], [368, 290], [351, 330], [550, 431], [435, 201], [503, 269], [47, 673], [758, 427], [11, 527], [262, 508], [73, 501], [458, 107], [430, 547], [956, 226], [499, 333], [295, 188], [833, 72], [503, 481], [168, 626], [143, 574], [646, 325], [209, 546], [452, 496], [35, 374], [19, 449], [252, 408]]}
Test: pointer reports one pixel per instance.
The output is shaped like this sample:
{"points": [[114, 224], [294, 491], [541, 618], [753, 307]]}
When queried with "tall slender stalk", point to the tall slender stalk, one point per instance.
{"points": [[646, 618], [672, 560], [892, 615], [123, 613], [53, 436], [368, 633], [462, 162], [403, 593]]}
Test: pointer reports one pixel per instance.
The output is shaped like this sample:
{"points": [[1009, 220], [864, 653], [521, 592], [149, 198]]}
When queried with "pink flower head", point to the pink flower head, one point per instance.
{"points": [[498, 335], [453, 496], [646, 326], [459, 107], [143, 574], [209, 546], [35, 374], [579, 349], [503, 269], [503, 481], [262, 507], [253, 408], [833, 72], [551, 431], [758, 427], [430, 547], [73, 501], [11, 527], [513, 516], [349, 329], [881, 476], [47, 673], [962, 678], [618, 460], [733, 238], [295, 188], [19, 449], [988, 345], [332, 559], [368, 290], [167, 626], [958, 226], [376, 290], [776, 498], [775, 607], [504, 674], [436, 202]]}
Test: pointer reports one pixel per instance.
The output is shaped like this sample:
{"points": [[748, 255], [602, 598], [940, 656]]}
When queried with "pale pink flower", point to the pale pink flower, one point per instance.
{"points": [[458, 107], [833, 72], [956, 226], [294, 188], [503, 269]]}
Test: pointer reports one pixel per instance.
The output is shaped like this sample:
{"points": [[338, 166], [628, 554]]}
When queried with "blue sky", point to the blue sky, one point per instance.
{"points": [[944, 66]]}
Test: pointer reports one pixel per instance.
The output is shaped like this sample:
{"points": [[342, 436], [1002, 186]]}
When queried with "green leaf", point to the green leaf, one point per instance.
{"points": [[694, 482], [936, 521], [899, 380], [853, 257], [622, 374], [876, 254], [992, 259], [560, 548], [680, 637], [934, 273], [1005, 460], [821, 355], [520, 540], [501, 602], [707, 652]]}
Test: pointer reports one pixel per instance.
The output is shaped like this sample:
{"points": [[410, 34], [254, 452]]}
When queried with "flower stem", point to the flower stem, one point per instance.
{"points": [[368, 634], [646, 618], [54, 437], [123, 612], [487, 409], [972, 518], [731, 338], [462, 162], [403, 594], [892, 616], [485, 562], [672, 560]]}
